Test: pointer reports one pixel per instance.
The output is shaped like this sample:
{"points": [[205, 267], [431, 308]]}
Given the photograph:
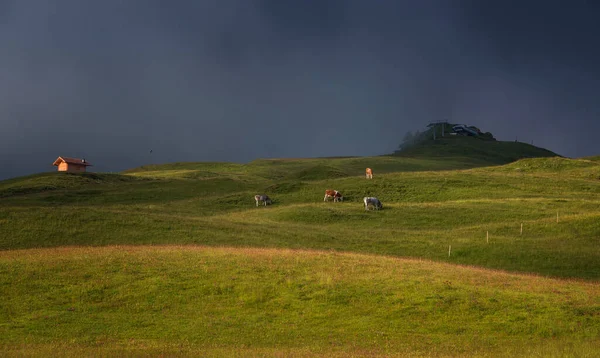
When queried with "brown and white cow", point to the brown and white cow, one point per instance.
{"points": [[336, 195], [369, 173], [263, 199]]}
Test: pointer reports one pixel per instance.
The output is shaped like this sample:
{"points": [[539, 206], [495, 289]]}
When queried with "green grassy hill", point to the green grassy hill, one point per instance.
{"points": [[176, 259], [487, 152]]}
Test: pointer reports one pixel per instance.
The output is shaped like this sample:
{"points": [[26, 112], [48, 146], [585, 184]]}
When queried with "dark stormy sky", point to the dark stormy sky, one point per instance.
{"points": [[236, 80]]}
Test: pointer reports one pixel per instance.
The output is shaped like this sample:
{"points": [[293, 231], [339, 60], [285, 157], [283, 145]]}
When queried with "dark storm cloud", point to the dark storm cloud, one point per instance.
{"points": [[542, 72], [237, 80]]}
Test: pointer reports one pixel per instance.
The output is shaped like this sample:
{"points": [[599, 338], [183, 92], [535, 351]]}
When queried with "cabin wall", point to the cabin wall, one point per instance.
{"points": [[65, 167], [77, 168]]}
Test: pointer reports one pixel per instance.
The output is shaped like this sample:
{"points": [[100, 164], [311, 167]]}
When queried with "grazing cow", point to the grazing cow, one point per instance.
{"points": [[336, 195], [373, 202], [369, 172], [264, 199]]}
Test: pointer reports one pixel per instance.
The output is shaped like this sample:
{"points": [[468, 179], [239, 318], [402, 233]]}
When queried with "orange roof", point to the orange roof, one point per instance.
{"points": [[75, 161]]}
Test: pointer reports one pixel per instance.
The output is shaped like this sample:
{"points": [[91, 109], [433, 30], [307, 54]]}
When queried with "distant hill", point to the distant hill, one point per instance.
{"points": [[483, 147], [492, 152]]}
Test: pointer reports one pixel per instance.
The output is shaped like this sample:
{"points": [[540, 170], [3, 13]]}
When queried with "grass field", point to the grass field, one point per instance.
{"points": [[176, 259], [173, 300]]}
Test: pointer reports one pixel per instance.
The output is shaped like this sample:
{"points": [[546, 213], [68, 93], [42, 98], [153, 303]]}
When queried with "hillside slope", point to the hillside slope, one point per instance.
{"points": [[486, 151], [425, 211], [176, 260], [224, 302]]}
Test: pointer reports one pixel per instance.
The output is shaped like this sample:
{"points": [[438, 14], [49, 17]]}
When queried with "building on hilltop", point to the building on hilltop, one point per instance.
{"points": [[73, 165], [436, 124]]}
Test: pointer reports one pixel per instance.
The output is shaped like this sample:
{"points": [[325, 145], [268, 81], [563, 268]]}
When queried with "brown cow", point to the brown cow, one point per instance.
{"points": [[369, 172], [336, 195]]}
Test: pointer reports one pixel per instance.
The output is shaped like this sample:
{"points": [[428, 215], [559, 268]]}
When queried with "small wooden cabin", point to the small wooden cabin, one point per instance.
{"points": [[74, 165]]}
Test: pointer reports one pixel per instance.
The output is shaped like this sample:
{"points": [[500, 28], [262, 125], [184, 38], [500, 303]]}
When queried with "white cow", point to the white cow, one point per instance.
{"points": [[264, 199], [369, 200]]}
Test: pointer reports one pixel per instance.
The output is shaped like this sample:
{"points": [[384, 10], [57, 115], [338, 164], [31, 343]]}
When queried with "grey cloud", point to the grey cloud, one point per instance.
{"points": [[238, 80]]}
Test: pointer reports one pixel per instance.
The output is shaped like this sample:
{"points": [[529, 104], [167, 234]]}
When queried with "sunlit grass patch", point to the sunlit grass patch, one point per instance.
{"points": [[163, 299]]}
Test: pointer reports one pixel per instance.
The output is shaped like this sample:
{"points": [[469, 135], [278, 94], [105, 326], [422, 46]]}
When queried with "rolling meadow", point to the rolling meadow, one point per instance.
{"points": [[475, 253]]}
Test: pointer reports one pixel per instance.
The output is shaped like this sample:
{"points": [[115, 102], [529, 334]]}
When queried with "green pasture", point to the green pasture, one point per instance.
{"points": [[476, 213], [198, 301], [469, 257]]}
